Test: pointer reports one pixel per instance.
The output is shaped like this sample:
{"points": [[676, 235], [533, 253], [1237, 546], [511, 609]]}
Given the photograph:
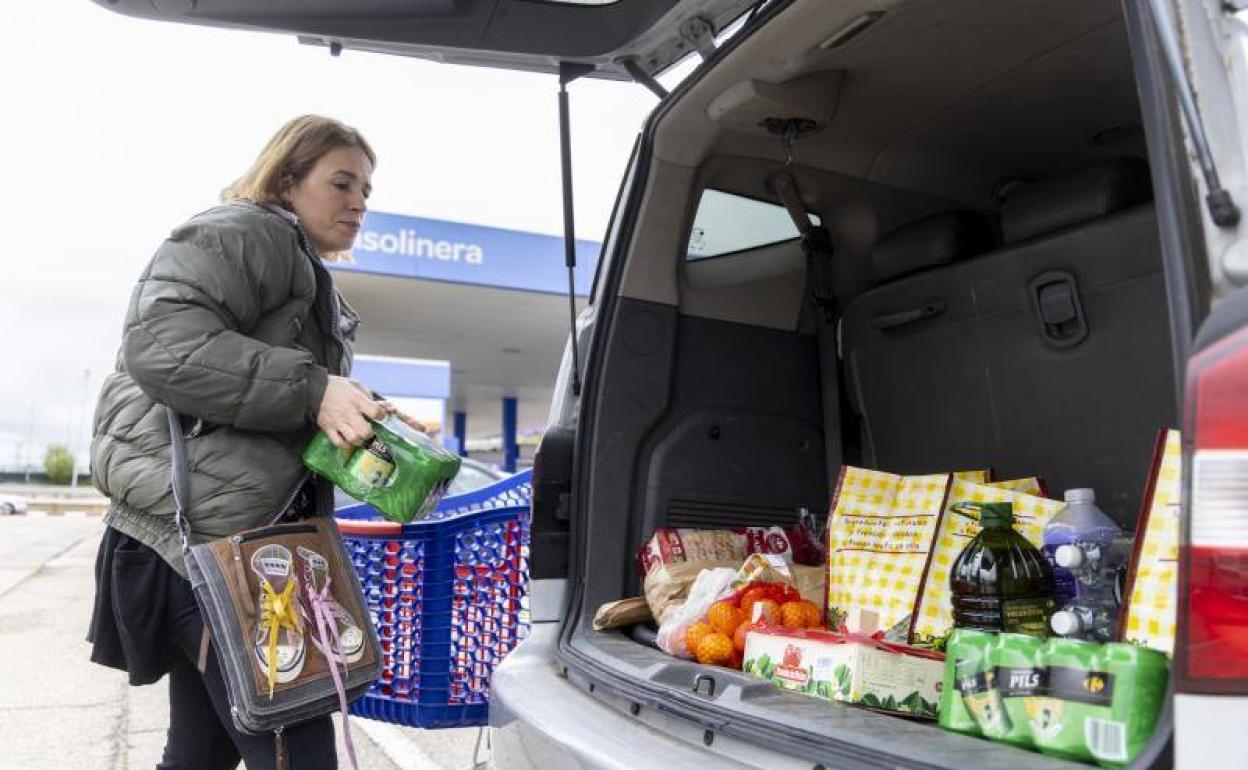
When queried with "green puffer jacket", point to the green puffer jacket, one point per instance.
{"points": [[236, 325]]}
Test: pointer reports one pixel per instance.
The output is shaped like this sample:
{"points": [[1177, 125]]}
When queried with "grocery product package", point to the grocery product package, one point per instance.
{"points": [[723, 603], [851, 668], [1018, 678], [988, 680], [812, 583], [880, 533], [800, 581], [1072, 699], [625, 612], [672, 558], [1100, 701], [1149, 612], [706, 587], [809, 546], [933, 619], [968, 688], [400, 471]]}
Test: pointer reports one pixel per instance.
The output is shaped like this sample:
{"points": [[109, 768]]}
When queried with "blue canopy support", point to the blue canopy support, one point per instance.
{"points": [[511, 449]]}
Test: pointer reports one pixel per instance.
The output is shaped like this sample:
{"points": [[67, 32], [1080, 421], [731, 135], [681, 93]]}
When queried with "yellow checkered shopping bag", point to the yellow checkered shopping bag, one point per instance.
{"points": [[933, 617], [1149, 617], [1028, 486], [880, 533]]}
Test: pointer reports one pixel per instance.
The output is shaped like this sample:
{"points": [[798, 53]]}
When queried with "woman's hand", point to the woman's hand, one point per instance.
{"points": [[345, 410], [407, 419]]}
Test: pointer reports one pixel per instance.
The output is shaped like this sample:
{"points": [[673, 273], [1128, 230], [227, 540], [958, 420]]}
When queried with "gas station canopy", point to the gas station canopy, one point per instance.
{"points": [[492, 303]]}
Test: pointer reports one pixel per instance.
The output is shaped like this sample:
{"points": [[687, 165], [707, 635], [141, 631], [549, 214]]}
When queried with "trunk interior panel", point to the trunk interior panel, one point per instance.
{"points": [[1018, 319]]}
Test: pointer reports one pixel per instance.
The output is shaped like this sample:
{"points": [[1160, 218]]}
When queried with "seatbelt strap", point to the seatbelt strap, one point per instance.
{"points": [[817, 247]]}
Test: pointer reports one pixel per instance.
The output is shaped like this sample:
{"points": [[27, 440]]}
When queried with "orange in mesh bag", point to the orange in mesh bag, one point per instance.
{"points": [[673, 558], [712, 623]]}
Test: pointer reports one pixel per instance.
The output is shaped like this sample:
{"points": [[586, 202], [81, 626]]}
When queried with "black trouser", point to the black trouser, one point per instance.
{"points": [[202, 735]]}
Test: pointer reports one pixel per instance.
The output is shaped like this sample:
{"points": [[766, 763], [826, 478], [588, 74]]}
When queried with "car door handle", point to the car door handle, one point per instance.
{"points": [[1058, 309]]}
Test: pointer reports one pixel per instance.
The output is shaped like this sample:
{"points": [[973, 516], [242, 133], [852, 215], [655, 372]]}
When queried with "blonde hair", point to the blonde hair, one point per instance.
{"points": [[290, 155]]}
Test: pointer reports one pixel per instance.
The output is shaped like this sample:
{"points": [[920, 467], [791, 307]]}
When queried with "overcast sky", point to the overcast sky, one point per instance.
{"points": [[115, 130]]}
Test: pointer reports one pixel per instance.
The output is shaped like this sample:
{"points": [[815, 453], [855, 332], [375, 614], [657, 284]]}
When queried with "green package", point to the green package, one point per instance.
{"points": [[400, 471], [1018, 676], [967, 674], [1102, 701]]}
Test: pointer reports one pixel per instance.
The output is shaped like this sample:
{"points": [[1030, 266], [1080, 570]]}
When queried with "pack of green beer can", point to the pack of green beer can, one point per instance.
{"points": [[1102, 701], [968, 683], [399, 471], [1071, 699]]}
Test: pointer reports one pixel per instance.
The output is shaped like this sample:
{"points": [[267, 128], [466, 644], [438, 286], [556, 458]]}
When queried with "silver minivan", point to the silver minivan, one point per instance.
{"points": [[911, 235]]}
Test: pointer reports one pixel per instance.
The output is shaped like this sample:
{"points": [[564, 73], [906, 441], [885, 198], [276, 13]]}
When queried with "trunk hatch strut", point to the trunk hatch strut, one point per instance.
{"points": [[569, 71], [1222, 208]]}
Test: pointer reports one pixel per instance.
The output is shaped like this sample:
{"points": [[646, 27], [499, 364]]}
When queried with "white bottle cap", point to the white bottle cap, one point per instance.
{"points": [[1081, 495], [1068, 556], [1065, 623]]}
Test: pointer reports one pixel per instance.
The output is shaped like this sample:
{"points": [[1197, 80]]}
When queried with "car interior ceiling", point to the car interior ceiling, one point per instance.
{"points": [[981, 170]]}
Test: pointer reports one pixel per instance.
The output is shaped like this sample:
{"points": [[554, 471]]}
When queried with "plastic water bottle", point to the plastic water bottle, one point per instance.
{"points": [[1091, 553], [1082, 533], [1092, 622]]}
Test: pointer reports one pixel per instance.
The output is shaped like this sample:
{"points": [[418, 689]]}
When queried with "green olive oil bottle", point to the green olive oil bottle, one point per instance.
{"points": [[1000, 581]]}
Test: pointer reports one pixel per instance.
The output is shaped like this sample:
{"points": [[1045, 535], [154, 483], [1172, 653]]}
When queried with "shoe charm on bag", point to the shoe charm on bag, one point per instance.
{"points": [[327, 614], [279, 644]]}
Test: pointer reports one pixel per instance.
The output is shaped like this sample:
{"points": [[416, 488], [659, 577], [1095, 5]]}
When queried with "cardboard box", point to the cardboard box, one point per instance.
{"points": [[848, 667]]}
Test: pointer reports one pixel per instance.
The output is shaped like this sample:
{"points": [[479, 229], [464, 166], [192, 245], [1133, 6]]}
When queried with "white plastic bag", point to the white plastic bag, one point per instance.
{"points": [[706, 588]]}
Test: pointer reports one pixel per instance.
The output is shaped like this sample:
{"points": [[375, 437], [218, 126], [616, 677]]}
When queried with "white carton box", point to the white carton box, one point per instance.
{"points": [[848, 667]]}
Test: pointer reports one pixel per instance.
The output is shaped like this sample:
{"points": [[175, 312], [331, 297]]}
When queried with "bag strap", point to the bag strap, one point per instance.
{"points": [[180, 483], [179, 478]]}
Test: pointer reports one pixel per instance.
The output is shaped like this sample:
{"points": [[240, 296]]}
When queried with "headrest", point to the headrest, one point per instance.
{"points": [[1052, 204], [935, 240]]}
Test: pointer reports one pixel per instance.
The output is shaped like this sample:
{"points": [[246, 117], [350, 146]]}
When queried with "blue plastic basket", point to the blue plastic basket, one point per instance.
{"points": [[449, 598]]}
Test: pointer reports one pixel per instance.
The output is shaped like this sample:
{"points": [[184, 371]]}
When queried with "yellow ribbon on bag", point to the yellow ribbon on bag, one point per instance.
{"points": [[278, 611]]}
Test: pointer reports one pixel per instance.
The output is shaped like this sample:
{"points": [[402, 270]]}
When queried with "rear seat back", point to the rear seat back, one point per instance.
{"points": [[1049, 356]]}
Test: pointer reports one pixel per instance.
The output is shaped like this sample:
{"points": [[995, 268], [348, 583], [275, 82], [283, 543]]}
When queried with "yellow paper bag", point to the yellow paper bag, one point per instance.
{"points": [[880, 533], [933, 618], [1028, 486], [1149, 617]]}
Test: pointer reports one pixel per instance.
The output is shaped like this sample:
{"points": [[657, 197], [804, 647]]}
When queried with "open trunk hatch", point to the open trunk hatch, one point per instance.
{"points": [[533, 35]]}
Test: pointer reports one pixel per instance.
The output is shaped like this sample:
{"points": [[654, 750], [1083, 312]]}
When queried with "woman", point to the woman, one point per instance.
{"points": [[236, 325]]}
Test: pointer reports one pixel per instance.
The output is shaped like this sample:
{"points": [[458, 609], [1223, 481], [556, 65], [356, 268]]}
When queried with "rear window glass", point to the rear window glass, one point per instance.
{"points": [[729, 224]]}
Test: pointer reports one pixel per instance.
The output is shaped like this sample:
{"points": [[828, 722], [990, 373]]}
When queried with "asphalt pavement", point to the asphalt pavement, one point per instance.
{"points": [[58, 710]]}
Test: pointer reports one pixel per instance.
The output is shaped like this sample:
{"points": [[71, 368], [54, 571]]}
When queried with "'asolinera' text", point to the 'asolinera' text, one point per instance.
{"points": [[409, 244]]}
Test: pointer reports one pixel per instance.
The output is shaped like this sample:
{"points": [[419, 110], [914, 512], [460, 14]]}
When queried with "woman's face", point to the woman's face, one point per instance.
{"points": [[330, 201]]}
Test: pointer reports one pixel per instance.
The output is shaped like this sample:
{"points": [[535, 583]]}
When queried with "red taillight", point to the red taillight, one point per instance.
{"points": [[1212, 650]]}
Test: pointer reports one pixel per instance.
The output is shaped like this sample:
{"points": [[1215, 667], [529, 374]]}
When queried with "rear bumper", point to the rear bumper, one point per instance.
{"points": [[1208, 731], [540, 719]]}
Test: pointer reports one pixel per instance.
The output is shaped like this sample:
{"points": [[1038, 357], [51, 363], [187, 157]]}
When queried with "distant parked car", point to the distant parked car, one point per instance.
{"points": [[10, 504], [472, 475]]}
